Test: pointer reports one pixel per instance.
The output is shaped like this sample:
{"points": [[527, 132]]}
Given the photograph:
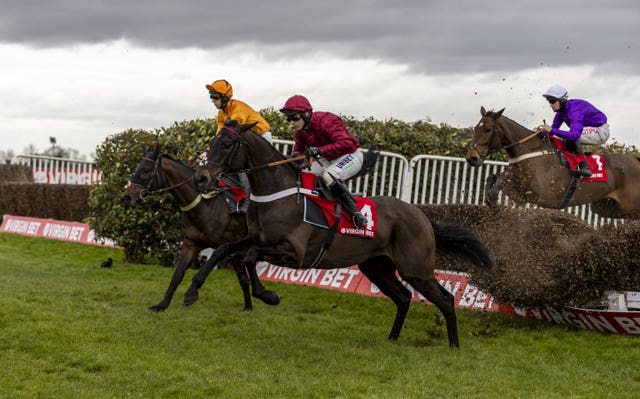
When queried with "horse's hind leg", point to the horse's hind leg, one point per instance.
{"points": [[439, 296], [381, 272], [243, 279]]}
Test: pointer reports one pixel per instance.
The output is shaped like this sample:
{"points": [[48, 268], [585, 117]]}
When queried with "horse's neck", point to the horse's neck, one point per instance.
{"points": [[179, 175], [267, 180], [513, 133]]}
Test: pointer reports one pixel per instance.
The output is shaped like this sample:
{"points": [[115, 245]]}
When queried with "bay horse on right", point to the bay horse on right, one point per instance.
{"points": [[536, 175]]}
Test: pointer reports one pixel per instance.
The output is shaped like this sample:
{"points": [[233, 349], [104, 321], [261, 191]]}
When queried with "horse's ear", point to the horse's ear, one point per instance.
{"points": [[231, 123], [246, 126], [151, 153], [483, 111], [499, 113]]}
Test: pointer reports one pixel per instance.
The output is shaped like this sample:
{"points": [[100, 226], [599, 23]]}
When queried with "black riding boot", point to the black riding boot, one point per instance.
{"points": [[230, 199], [246, 186], [583, 169], [346, 199]]}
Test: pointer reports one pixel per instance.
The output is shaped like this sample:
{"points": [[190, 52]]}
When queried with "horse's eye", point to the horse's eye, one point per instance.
{"points": [[487, 130]]}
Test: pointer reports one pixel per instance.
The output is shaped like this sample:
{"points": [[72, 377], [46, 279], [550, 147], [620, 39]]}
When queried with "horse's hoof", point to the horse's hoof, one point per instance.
{"points": [[156, 309], [190, 300], [270, 298]]}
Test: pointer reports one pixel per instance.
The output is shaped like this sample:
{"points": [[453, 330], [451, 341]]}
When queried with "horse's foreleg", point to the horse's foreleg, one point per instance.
{"points": [[269, 297], [491, 190], [187, 255], [191, 296]]}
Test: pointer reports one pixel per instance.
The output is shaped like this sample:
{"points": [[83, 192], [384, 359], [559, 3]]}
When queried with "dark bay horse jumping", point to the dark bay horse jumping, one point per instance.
{"points": [[535, 174], [205, 220], [405, 240]]}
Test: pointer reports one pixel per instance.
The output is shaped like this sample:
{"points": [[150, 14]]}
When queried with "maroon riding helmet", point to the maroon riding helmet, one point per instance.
{"points": [[296, 103]]}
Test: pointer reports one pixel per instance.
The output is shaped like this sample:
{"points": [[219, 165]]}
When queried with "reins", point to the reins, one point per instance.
{"points": [[505, 147], [497, 129], [156, 173], [277, 163], [160, 180], [267, 165]]}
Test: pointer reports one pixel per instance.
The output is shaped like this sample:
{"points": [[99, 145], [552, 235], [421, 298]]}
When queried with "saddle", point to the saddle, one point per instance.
{"points": [[571, 160], [320, 209]]}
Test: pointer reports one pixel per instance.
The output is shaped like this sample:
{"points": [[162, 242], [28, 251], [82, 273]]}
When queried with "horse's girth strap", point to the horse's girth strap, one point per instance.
{"points": [[282, 194]]}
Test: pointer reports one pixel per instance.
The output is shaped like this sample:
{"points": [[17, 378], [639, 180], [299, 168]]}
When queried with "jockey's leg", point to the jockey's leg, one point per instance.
{"points": [[230, 199], [246, 187], [583, 167], [343, 195], [333, 173]]}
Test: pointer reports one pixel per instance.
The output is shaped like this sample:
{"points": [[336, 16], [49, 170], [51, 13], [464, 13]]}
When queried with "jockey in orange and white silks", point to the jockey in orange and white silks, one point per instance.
{"points": [[323, 136], [220, 93]]}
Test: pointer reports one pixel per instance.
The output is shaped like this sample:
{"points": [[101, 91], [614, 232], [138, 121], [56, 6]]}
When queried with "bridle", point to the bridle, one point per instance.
{"points": [[147, 187], [491, 148], [225, 164]]}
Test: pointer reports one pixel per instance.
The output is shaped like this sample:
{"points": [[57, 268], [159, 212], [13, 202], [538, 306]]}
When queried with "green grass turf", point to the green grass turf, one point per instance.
{"points": [[71, 329]]}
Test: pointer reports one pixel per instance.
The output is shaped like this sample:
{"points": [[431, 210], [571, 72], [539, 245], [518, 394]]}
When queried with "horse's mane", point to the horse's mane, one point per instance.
{"points": [[519, 124], [272, 148], [178, 161], [280, 156], [492, 114]]}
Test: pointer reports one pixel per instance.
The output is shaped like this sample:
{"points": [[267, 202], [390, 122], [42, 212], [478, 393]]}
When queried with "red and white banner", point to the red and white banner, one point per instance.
{"points": [[50, 228], [467, 296], [63, 176], [350, 279]]}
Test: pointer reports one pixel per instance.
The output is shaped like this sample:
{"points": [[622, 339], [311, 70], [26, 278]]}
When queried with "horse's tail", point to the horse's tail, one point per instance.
{"points": [[370, 161], [460, 241]]}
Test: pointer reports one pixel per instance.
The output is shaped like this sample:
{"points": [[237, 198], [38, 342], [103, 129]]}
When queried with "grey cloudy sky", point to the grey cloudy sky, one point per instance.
{"points": [[82, 70]]}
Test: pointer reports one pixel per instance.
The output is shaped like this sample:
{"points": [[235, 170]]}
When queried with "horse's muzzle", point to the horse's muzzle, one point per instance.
{"points": [[474, 158], [133, 196], [203, 180], [129, 201]]}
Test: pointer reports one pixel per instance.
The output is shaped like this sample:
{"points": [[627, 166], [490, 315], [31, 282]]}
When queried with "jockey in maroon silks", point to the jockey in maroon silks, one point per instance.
{"points": [[323, 136], [587, 124]]}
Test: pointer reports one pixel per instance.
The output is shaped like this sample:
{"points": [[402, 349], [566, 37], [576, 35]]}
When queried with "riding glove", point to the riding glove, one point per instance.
{"points": [[312, 152]]}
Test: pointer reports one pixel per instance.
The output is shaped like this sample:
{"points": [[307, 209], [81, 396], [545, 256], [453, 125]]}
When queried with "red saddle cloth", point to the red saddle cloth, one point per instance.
{"points": [[345, 226], [596, 162], [236, 190]]}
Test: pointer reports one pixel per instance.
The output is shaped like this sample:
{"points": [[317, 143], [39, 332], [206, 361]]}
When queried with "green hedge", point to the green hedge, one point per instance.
{"points": [[153, 229]]}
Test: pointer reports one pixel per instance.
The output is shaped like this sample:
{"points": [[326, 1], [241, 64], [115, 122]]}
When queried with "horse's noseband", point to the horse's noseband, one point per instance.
{"points": [[490, 147], [147, 185]]}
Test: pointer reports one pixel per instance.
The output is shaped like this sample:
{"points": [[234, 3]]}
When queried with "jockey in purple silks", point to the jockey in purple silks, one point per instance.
{"points": [[324, 136], [587, 124]]}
